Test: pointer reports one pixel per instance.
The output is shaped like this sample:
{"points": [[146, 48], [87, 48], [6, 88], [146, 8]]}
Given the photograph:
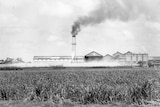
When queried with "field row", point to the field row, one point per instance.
{"points": [[81, 85]]}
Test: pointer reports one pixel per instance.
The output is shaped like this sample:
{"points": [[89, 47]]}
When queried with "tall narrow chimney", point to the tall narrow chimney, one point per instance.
{"points": [[75, 30], [74, 59]]}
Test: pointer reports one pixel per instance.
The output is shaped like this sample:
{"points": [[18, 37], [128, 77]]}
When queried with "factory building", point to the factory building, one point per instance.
{"points": [[52, 58], [57, 58], [93, 56], [128, 57], [136, 57]]}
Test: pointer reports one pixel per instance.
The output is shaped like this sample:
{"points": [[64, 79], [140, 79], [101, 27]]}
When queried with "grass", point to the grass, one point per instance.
{"points": [[80, 86]]}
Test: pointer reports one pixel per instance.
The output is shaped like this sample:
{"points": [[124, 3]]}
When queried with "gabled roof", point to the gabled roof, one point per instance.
{"points": [[129, 52], [93, 53], [108, 55], [117, 53]]}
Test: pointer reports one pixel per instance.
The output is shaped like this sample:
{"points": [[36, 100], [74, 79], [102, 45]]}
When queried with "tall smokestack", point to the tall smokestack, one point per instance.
{"points": [[73, 49], [74, 32]]}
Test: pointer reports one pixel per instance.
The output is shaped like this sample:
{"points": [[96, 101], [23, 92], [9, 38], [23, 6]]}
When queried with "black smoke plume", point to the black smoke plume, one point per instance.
{"points": [[107, 9], [123, 10], [75, 29]]}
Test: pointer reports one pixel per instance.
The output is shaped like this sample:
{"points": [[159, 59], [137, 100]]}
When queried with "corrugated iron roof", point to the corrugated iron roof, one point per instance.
{"points": [[93, 53], [129, 52], [108, 55], [117, 53]]}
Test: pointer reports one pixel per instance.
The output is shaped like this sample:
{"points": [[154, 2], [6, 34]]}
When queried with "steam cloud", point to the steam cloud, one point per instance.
{"points": [[123, 10]]}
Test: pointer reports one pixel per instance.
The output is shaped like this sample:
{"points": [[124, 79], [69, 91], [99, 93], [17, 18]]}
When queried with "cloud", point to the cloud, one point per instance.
{"points": [[8, 18], [58, 8], [147, 35], [57, 40], [61, 43], [11, 3], [53, 38], [84, 6]]}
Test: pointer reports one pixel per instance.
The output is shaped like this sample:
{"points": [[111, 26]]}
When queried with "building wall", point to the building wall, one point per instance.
{"points": [[140, 57], [117, 55], [128, 58], [108, 58], [145, 57], [135, 57], [57, 59], [93, 58]]}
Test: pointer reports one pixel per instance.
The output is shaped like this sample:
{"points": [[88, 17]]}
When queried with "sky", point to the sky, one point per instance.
{"points": [[43, 27]]}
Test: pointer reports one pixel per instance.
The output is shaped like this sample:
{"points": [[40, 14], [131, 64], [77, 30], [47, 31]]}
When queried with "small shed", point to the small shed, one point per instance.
{"points": [[93, 56]]}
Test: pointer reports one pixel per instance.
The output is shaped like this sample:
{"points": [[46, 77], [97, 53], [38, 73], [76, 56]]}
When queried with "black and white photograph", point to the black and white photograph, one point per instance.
{"points": [[79, 53]]}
